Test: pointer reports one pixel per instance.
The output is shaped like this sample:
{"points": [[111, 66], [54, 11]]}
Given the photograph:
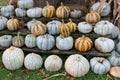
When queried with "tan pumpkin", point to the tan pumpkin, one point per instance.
{"points": [[83, 44]]}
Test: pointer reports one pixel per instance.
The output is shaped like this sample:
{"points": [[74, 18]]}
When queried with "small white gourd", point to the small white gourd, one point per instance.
{"points": [[3, 22], [20, 12]]}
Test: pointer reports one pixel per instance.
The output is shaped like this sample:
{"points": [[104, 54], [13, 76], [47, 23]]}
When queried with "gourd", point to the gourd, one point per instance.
{"points": [[13, 58], [99, 65], [18, 41], [25, 3], [84, 27], [3, 22], [20, 12], [72, 26], [76, 14], [62, 42], [83, 44], [30, 41], [53, 27], [53, 63], [5, 40], [13, 24], [103, 27], [33, 61], [118, 46], [34, 12], [45, 42], [63, 11], [7, 11], [76, 65], [103, 44], [48, 11], [115, 32], [38, 29], [114, 58]]}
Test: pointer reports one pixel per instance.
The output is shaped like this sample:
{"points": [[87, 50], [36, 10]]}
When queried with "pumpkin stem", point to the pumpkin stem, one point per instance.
{"points": [[78, 58], [70, 20], [45, 36], [34, 19], [61, 36], [75, 10], [12, 17], [83, 36], [62, 4], [18, 34], [101, 60], [12, 48], [100, 6], [5, 37], [47, 3], [63, 21]]}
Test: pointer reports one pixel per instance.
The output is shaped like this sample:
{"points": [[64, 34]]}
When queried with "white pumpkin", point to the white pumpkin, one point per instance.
{"points": [[104, 44], [103, 27], [53, 27], [7, 11], [33, 61], [45, 42], [118, 46], [3, 22], [5, 40], [53, 63], [30, 41], [84, 27], [25, 3], [13, 58], [64, 43], [76, 14], [20, 12], [115, 32], [76, 65], [34, 12], [99, 65]]}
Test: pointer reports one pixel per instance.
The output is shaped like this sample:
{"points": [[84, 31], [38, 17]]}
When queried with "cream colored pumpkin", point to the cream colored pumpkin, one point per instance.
{"points": [[3, 22], [115, 32], [76, 13], [20, 12]]}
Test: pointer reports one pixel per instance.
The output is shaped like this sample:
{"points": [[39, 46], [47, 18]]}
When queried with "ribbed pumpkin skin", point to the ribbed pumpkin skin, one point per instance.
{"points": [[76, 14], [20, 12], [118, 46], [3, 22], [93, 17], [38, 29], [83, 44]]}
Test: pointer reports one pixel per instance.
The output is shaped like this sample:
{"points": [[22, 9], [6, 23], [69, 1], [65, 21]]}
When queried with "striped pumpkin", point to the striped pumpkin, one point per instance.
{"points": [[72, 26], [63, 11], [93, 17], [48, 11], [38, 29], [83, 44]]}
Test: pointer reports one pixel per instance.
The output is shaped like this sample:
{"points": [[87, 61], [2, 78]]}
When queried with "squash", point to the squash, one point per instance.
{"points": [[104, 44], [84, 27], [3, 22], [45, 42], [62, 42], [48, 11], [18, 41], [53, 27], [76, 65], [83, 44], [13, 58], [76, 13], [63, 11], [118, 46], [33, 61], [53, 63], [99, 65], [20, 12], [115, 32], [30, 41]]}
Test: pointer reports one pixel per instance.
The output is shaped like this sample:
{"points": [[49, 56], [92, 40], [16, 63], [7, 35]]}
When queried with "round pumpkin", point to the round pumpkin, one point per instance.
{"points": [[83, 44], [53, 63], [118, 47], [20, 12], [13, 58], [115, 32], [76, 65], [3, 22], [76, 14]]}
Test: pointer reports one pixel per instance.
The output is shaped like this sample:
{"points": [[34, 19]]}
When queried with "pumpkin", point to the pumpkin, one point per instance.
{"points": [[53, 63], [53, 27], [103, 27], [72, 26], [99, 65], [62, 42], [76, 14], [3, 22], [7, 11], [45, 42], [30, 41], [18, 41], [83, 44], [38, 29], [33, 61], [48, 11], [34, 12], [84, 27], [63, 11], [114, 58], [76, 65], [13, 58], [20, 12], [31, 23], [115, 32], [13, 24], [104, 44], [119, 37], [118, 47], [5, 40], [25, 3], [92, 17]]}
